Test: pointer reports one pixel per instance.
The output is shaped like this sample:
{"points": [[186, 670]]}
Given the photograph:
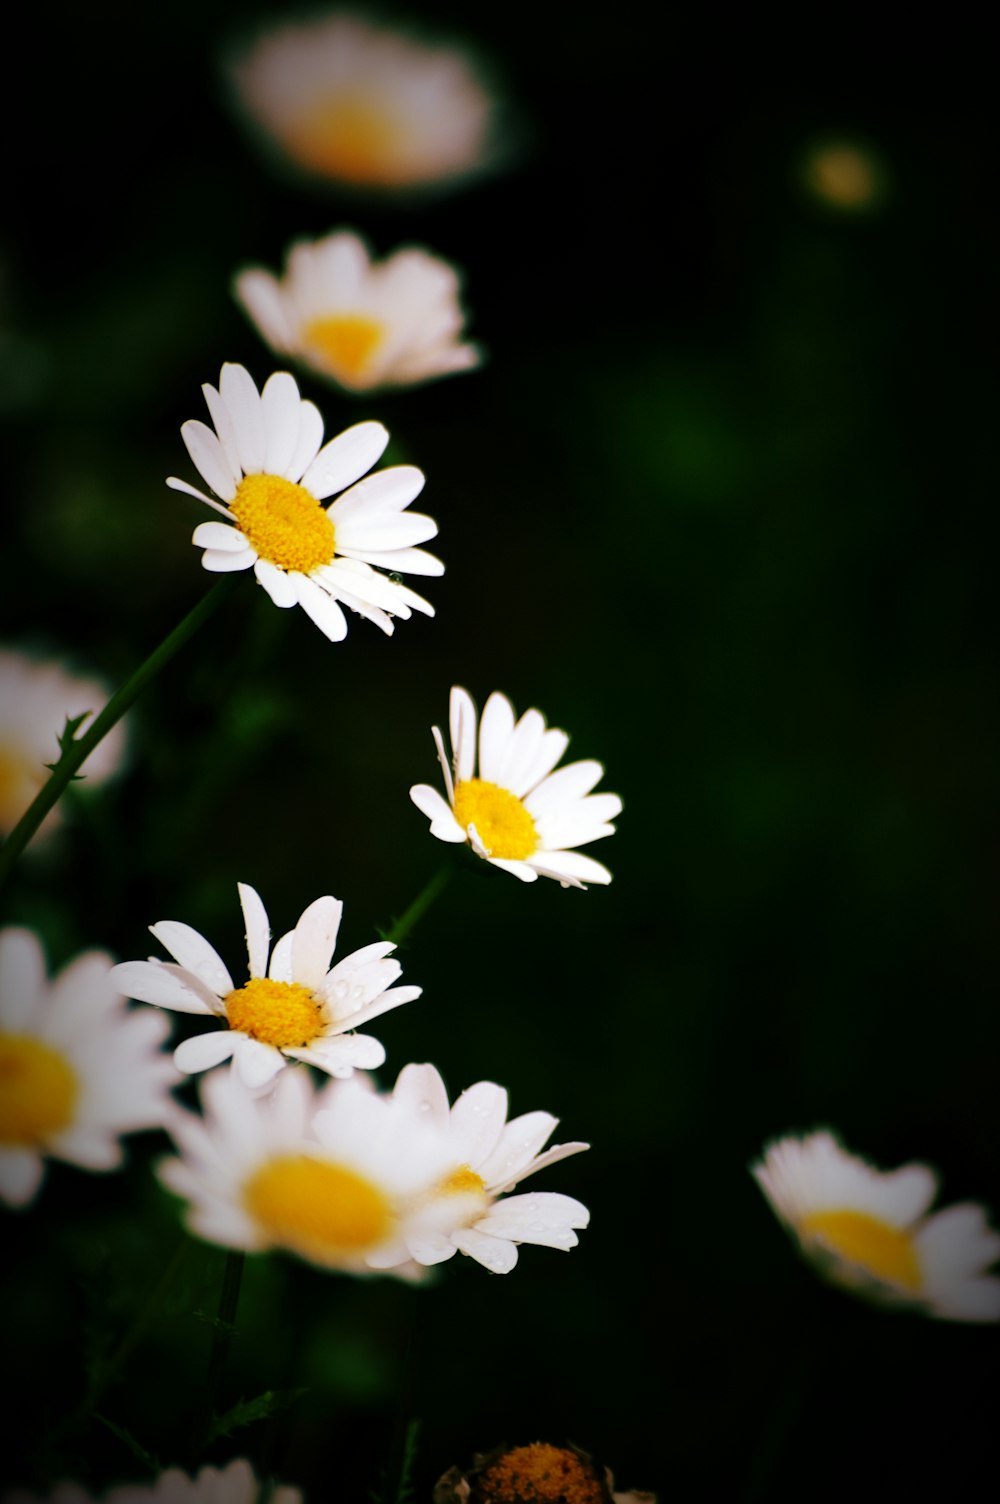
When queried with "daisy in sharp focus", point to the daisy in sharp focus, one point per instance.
{"points": [[366, 106], [263, 459], [233, 1484], [77, 1067], [868, 1229], [298, 1008], [488, 1156], [36, 700], [364, 323], [516, 812], [332, 1175]]}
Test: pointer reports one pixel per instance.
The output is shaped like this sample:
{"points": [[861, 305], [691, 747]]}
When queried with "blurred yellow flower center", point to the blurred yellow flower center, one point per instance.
{"points": [[884, 1252], [284, 522], [280, 1013], [541, 1474], [353, 137], [462, 1182], [323, 1211], [19, 783], [38, 1090], [345, 343], [501, 820]]}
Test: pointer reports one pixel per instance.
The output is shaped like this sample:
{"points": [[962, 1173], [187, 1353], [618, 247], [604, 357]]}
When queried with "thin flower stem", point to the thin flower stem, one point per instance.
{"points": [[222, 1336], [76, 750], [418, 908]]}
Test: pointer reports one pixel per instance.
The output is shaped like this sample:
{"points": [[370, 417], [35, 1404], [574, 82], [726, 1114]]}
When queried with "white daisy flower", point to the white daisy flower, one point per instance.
{"points": [[298, 1008], [487, 1156], [36, 700], [367, 106], [77, 1067], [264, 460], [233, 1484], [516, 812], [364, 323], [868, 1230], [332, 1175]]}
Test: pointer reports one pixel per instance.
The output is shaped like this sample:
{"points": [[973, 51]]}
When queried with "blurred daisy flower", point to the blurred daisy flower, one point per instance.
{"points": [[295, 1009], [487, 1157], [264, 460], [538, 1473], [77, 1067], [364, 105], [332, 1175], [366, 324], [517, 813], [36, 700], [844, 175], [868, 1229], [233, 1484]]}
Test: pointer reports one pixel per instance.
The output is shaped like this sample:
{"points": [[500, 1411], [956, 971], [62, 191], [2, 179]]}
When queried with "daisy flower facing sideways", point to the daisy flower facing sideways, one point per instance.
{"points": [[487, 1156], [333, 1175], [364, 105], [77, 1067], [366, 324], [517, 813], [296, 1009], [868, 1230], [233, 1484], [263, 459], [36, 700]]}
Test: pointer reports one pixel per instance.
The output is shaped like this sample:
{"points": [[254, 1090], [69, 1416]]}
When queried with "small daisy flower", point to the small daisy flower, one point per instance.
{"points": [[540, 1471], [516, 812], [298, 1008], [264, 460], [77, 1067], [487, 1157], [366, 106], [364, 323], [36, 700], [868, 1229], [332, 1175], [233, 1484]]}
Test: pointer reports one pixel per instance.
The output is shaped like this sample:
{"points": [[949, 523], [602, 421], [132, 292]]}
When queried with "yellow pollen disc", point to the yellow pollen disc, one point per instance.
{"points": [[504, 825], [322, 1211], [344, 343], [352, 137], [279, 1013], [284, 522], [541, 1474], [19, 783], [38, 1091], [884, 1253], [462, 1182]]}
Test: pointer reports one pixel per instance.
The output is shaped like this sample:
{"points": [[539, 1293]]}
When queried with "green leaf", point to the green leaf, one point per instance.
{"points": [[246, 1412], [135, 1447], [397, 1480]]}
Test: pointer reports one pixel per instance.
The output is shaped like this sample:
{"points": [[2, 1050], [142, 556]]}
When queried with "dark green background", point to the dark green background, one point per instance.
{"points": [[722, 504]]}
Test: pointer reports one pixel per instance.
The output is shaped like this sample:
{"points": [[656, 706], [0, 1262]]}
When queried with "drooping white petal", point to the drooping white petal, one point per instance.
{"points": [[277, 584], [496, 1254], [320, 607]]}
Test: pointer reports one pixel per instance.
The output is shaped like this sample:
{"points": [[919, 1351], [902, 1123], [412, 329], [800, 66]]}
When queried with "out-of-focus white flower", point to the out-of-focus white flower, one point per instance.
{"points": [[844, 175], [335, 1176], [487, 1156], [516, 812], [365, 105], [36, 700], [868, 1229], [77, 1067], [296, 1009], [365, 323], [233, 1484]]}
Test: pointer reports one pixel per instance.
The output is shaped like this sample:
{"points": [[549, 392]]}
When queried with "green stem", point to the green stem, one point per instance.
{"points": [[78, 749], [401, 927], [222, 1336]]}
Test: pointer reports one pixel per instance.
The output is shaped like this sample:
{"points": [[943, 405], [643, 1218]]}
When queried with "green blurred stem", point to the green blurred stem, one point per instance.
{"points": [[78, 749], [418, 908], [222, 1336]]}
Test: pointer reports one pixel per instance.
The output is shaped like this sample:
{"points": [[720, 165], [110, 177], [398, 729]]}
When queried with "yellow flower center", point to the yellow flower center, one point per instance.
{"points": [[352, 137], [19, 783], [501, 820], [882, 1252], [280, 1013], [38, 1091], [344, 343], [541, 1474], [462, 1182], [323, 1211], [284, 522]]}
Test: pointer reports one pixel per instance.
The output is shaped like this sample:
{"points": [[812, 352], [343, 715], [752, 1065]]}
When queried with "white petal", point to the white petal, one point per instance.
{"points": [[209, 458], [256, 1063], [564, 787], [310, 438], [227, 563], [523, 870], [257, 928], [495, 1254], [345, 459], [379, 496], [193, 951], [182, 485], [421, 1089], [277, 584], [496, 732], [314, 939], [320, 608], [238, 392], [570, 867], [223, 422], [219, 535], [21, 1173], [279, 404], [462, 722], [477, 1121], [204, 1051], [154, 982], [281, 959], [22, 977], [438, 811]]}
